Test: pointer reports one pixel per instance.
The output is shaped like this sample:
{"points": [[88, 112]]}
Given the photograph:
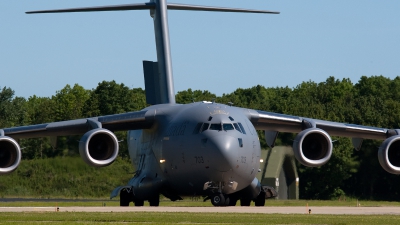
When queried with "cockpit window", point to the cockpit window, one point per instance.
{"points": [[215, 126], [227, 126], [205, 127], [237, 127], [197, 128], [242, 128], [201, 127]]}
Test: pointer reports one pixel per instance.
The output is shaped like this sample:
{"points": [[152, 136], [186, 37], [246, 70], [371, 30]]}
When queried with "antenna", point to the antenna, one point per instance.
{"points": [[161, 78]]}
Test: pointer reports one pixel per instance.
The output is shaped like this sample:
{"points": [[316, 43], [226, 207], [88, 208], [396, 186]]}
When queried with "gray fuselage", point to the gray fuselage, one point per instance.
{"points": [[193, 144]]}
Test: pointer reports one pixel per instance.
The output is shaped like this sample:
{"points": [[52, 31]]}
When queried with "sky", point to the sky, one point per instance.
{"points": [[219, 52]]}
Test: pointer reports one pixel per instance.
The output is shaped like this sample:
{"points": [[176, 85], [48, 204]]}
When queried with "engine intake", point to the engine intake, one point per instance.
{"points": [[99, 147], [10, 155], [389, 154], [313, 147]]}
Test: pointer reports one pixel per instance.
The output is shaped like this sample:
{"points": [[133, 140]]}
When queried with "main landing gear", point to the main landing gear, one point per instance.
{"points": [[219, 199], [126, 197]]}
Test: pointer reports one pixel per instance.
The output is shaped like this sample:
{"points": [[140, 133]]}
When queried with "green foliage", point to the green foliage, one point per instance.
{"points": [[172, 218], [69, 102], [112, 98], [373, 101], [189, 96], [64, 177], [40, 110], [330, 176], [12, 110]]}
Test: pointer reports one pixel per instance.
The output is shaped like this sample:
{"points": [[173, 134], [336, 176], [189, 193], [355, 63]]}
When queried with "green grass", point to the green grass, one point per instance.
{"points": [[67, 177], [188, 218]]}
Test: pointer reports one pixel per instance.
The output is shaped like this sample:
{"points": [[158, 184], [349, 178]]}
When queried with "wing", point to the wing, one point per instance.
{"points": [[313, 144], [98, 145], [125, 121], [286, 123]]}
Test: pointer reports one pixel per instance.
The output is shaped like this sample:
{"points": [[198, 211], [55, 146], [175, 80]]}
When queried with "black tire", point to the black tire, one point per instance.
{"points": [[218, 200], [245, 202], [155, 201], [124, 198], [139, 202], [232, 201], [260, 200], [227, 200]]}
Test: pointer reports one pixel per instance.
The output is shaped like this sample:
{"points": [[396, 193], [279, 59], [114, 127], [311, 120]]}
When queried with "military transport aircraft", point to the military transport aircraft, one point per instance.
{"points": [[203, 148]]}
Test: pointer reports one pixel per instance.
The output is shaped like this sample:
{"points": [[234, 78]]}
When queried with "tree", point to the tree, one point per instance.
{"points": [[112, 98], [328, 181], [69, 102], [6, 111], [189, 96]]}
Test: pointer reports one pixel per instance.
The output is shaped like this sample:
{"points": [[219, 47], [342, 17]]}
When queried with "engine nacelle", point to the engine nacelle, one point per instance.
{"points": [[10, 155], [389, 154], [99, 147], [313, 147]]}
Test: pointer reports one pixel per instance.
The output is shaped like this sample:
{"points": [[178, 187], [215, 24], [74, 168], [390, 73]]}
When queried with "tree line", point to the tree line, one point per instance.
{"points": [[372, 101]]}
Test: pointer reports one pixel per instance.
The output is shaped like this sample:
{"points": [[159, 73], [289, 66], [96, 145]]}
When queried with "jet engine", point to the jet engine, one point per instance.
{"points": [[312, 147], [99, 147], [389, 154], [10, 155]]}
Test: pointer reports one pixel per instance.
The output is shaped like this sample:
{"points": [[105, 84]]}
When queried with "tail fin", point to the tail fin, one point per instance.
{"points": [[163, 90]]}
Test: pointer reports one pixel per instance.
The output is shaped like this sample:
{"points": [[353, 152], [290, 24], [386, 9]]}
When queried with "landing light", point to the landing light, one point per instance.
{"points": [[261, 160], [233, 185], [162, 160]]}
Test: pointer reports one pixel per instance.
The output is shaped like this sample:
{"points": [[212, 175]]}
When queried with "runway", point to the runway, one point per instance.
{"points": [[263, 210]]}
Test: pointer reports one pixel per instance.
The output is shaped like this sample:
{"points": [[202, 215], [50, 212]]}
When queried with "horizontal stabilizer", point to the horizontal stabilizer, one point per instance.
{"points": [[214, 8], [152, 5], [139, 6]]}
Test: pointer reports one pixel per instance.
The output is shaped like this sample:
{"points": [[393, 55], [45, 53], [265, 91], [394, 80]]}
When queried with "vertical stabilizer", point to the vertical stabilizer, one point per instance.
{"points": [[166, 81]]}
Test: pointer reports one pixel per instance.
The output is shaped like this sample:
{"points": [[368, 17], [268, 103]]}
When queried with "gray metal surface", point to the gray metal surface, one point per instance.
{"points": [[215, 9], [287, 123], [161, 31], [140, 6], [124, 121]]}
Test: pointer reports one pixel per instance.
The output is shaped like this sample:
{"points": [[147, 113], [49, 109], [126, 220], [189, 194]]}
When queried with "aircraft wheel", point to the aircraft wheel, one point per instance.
{"points": [[260, 200], [139, 202], [245, 202], [232, 201], [155, 201], [218, 200], [227, 200], [124, 198]]}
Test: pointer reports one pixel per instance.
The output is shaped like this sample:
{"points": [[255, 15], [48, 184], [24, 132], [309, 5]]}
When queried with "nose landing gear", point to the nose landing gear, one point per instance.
{"points": [[219, 199], [215, 194]]}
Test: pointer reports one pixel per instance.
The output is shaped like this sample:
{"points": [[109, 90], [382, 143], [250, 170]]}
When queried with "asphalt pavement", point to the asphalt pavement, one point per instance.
{"points": [[237, 209]]}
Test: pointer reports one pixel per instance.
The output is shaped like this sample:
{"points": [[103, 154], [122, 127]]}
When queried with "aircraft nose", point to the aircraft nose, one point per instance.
{"points": [[225, 151]]}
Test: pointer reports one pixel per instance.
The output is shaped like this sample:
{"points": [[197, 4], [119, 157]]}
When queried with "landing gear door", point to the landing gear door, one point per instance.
{"points": [[134, 145]]}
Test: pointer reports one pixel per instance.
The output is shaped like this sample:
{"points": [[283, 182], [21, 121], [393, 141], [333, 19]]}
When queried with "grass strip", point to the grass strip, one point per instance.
{"points": [[189, 218]]}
